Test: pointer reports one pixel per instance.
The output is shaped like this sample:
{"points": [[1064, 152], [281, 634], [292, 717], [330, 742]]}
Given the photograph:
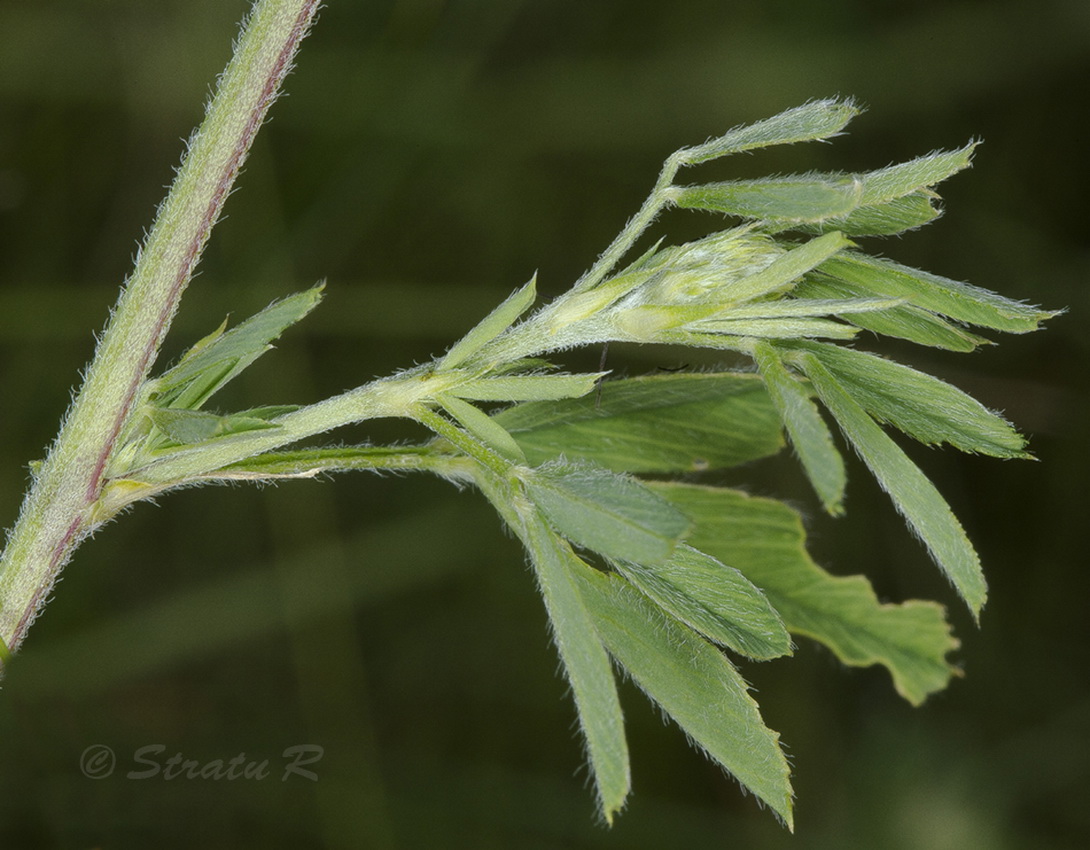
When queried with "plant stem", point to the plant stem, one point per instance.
{"points": [[636, 225], [387, 397], [58, 511], [484, 456], [308, 463]]}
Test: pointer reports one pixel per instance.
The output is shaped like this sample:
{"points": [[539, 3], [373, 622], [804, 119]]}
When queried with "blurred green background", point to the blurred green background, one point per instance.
{"points": [[429, 157]]}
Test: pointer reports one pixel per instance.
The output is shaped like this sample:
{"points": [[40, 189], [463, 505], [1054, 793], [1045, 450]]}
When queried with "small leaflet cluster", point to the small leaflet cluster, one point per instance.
{"points": [[662, 578]]}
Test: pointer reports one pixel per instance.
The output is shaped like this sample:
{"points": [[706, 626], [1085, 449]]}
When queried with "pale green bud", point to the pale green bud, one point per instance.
{"points": [[703, 271]]}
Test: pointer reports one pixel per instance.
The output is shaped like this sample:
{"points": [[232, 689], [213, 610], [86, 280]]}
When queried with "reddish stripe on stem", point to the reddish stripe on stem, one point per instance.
{"points": [[196, 246]]}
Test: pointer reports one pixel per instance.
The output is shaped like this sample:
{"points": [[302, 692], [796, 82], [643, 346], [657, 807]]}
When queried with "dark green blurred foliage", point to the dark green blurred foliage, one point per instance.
{"points": [[429, 157]]}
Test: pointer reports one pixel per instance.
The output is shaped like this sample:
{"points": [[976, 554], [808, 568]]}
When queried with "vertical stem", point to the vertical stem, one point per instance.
{"points": [[56, 514]]}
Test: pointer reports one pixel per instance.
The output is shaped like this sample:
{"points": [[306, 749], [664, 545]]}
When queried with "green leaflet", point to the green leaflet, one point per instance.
{"points": [[905, 321], [785, 318], [809, 434], [959, 301], [677, 324], [643, 261], [482, 426], [617, 517], [206, 341], [713, 599], [694, 683], [491, 326], [912, 492], [782, 200], [585, 663], [884, 219], [906, 178], [777, 328], [883, 202], [765, 540], [897, 198], [196, 426], [925, 408], [819, 119], [786, 269], [805, 307], [658, 423], [219, 357], [528, 387]]}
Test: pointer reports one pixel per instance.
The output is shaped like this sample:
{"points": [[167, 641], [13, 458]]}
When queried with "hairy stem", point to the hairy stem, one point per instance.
{"points": [[635, 226], [58, 511], [396, 396]]}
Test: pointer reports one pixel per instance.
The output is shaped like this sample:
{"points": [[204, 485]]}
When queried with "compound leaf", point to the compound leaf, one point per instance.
{"points": [[585, 662], [694, 683], [765, 540], [657, 423], [221, 356], [922, 506], [905, 321], [925, 408], [960, 301]]}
